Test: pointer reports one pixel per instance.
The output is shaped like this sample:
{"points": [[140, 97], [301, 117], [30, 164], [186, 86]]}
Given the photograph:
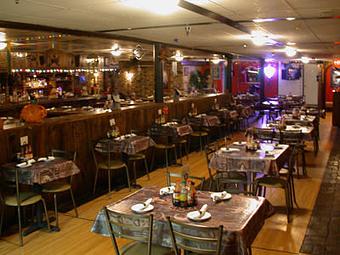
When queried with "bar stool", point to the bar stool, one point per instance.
{"points": [[166, 148], [182, 142], [62, 185], [106, 159]]}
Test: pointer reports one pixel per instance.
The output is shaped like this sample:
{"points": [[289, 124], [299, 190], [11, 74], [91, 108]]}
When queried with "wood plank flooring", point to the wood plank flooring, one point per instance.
{"points": [[276, 237]]}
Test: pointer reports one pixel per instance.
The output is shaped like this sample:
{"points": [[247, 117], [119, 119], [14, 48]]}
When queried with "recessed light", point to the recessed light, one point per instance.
{"points": [[305, 60], [244, 45], [291, 43], [290, 18]]}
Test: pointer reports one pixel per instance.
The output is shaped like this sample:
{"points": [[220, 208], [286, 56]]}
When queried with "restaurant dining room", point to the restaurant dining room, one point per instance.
{"points": [[170, 127]]}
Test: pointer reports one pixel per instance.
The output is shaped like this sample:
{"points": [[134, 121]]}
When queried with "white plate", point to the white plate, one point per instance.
{"points": [[49, 158], [240, 143], [139, 208], [23, 165], [195, 216], [220, 196], [167, 190], [224, 149]]}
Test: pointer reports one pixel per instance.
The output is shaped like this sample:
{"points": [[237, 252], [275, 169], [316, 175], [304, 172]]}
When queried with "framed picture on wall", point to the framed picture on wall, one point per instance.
{"points": [[291, 71], [335, 77], [216, 74]]}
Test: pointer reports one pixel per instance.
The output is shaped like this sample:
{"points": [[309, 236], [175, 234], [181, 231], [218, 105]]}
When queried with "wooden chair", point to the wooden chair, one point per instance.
{"points": [[170, 175], [194, 238], [133, 227], [106, 159], [61, 185], [264, 134], [19, 199]]}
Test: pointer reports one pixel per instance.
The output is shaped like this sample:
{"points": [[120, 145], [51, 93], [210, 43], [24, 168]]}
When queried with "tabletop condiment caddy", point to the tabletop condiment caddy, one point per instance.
{"points": [[252, 144], [114, 129], [184, 194], [162, 115]]}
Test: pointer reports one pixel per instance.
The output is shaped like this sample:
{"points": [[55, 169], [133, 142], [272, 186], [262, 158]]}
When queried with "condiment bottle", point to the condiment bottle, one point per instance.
{"points": [[176, 195], [183, 198]]}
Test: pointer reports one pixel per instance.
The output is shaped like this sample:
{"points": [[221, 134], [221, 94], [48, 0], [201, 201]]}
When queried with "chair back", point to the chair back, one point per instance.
{"points": [[264, 134], [291, 137], [209, 151], [170, 175], [133, 227], [195, 238], [104, 151]]}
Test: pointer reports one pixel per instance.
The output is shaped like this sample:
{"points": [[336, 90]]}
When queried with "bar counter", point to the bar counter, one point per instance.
{"points": [[74, 132]]}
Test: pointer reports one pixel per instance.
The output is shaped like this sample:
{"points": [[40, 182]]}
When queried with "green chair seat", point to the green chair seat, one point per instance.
{"points": [[26, 198], [164, 146], [273, 182], [112, 165], [138, 156], [135, 248], [56, 187], [199, 133]]}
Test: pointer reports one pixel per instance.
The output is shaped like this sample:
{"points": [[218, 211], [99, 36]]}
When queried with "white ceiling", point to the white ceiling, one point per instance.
{"points": [[314, 37]]}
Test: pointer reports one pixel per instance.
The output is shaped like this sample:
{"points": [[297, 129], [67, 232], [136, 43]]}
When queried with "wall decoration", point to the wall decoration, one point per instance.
{"points": [[335, 77], [291, 71], [216, 74]]}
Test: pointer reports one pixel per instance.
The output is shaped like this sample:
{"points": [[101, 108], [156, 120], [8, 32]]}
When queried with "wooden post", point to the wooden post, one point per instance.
{"points": [[229, 74], [158, 73], [261, 78]]}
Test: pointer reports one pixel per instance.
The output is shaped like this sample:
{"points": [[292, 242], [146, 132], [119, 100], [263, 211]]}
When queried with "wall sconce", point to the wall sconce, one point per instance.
{"points": [[269, 71], [129, 76]]}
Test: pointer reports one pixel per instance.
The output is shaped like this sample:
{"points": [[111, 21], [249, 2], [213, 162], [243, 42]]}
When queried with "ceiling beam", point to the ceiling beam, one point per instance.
{"points": [[213, 15]]}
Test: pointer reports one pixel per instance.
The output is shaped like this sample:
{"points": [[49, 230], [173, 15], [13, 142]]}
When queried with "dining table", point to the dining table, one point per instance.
{"points": [[242, 217], [205, 120], [267, 159], [42, 171], [129, 144]]}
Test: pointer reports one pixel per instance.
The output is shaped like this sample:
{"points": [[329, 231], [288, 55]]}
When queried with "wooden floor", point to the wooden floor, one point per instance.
{"points": [[276, 237]]}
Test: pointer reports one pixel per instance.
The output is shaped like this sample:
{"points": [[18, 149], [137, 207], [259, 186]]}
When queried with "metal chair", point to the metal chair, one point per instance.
{"points": [[106, 158], [210, 149], [170, 175], [19, 199], [134, 227], [283, 183], [61, 185], [194, 238]]}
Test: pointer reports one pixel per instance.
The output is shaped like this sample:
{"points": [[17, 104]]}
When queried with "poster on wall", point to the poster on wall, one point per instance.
{"points": [[291, 71], [335, 77]]}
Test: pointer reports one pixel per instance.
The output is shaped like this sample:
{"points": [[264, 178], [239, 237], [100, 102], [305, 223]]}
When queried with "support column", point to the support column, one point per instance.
{"points": [[158, 73], [261, 78], [229, 74]]}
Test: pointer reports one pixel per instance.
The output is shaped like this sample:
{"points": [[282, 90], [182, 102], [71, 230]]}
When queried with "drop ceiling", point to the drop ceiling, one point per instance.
{"points": [[315, 31]]}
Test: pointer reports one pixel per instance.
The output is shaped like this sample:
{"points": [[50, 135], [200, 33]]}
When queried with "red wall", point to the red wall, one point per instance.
{"points": [[240, 84], [329, 89]]}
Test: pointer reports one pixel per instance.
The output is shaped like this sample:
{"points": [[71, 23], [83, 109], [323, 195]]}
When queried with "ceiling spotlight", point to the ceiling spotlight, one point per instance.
{"points": [[3, 45], [291, 43], [290, 52], [216, 59], [244, 45], [290, 18], [178, 56], [258, 38], [115, 50], [305, 60]]}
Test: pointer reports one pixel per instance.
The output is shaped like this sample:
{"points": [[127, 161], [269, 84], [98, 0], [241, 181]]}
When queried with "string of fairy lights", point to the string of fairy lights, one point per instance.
{"points": [[59, 70]]}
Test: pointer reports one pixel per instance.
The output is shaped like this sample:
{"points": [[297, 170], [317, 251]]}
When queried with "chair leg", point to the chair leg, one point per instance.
{"points": [[180, 153], [166, 160], [152, 159], [109, 181], [304, 163], [21, 242], [146, 168], [175, 152], [74, 203], [2, 217], [293, 191], [287, 203], [56, 210], [134, 171], [46, 214], [95, 182], [200, 143], [128, 177], [187, 150]]}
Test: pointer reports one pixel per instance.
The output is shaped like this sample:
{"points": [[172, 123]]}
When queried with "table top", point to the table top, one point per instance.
{"points": [[242, 217], [251, 161], [129, 144], [41, 172]]}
